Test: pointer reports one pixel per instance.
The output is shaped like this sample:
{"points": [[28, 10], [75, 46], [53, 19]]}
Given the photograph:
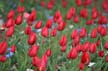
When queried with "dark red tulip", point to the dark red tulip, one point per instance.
{"points": [[101, 53], [64, 3], [98, 42]]}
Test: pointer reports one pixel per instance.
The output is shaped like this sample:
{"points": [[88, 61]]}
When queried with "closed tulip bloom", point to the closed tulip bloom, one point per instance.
{"points": [[45, 32], [3, 59], [101, 53], [106, 45], [53, 32], [18, 20], [61, 26], [63, 40], [38, 25], [33, 51], [10, 14], [74, 34], [49, 23], [85, 58], [3, 47], [94, 33], [10, 31], [93, 48], [32, 38]]}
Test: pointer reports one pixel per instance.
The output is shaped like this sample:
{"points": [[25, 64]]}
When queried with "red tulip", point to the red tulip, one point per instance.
{"points": [[103, 32], [28, 30], [42, 3], [13, 48], [10, 14], [20, 9], [61, 26], [57, 16], [33, 51], [76, 40], [18, 20], [94, 33], [53, 32], [83, 33], [48, 52], [106, 45], [87, 2], [74, 34], [81, 66], [76, 19], [32, 38], [45, 32], [94, 13], [85, 58], [38, 25], [106, 58], [89, 22], [64, 3], [78, 2], [63, 40], [84, 13], [73, 53], [3, 47], [63, 48], [86, 46], [3, 59], [10, 23], [93, 48], [36, 61], [102, 20], [49, 23], [98, 42], [101, 53], [10, 31], [72, 11], [50, 5]]}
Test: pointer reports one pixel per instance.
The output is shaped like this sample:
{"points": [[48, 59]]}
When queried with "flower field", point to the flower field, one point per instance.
{"points": [[53, 35]]}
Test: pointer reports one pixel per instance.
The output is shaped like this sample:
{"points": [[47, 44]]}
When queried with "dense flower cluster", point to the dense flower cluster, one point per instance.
{"points": [[80, 37]]}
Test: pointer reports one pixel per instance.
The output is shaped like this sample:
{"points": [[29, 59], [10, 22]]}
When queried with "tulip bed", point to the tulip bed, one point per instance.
{"points": [[54, 35]]}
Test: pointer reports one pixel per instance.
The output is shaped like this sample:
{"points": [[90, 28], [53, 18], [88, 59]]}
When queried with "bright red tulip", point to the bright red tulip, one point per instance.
{"points": [[45, 32]]}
